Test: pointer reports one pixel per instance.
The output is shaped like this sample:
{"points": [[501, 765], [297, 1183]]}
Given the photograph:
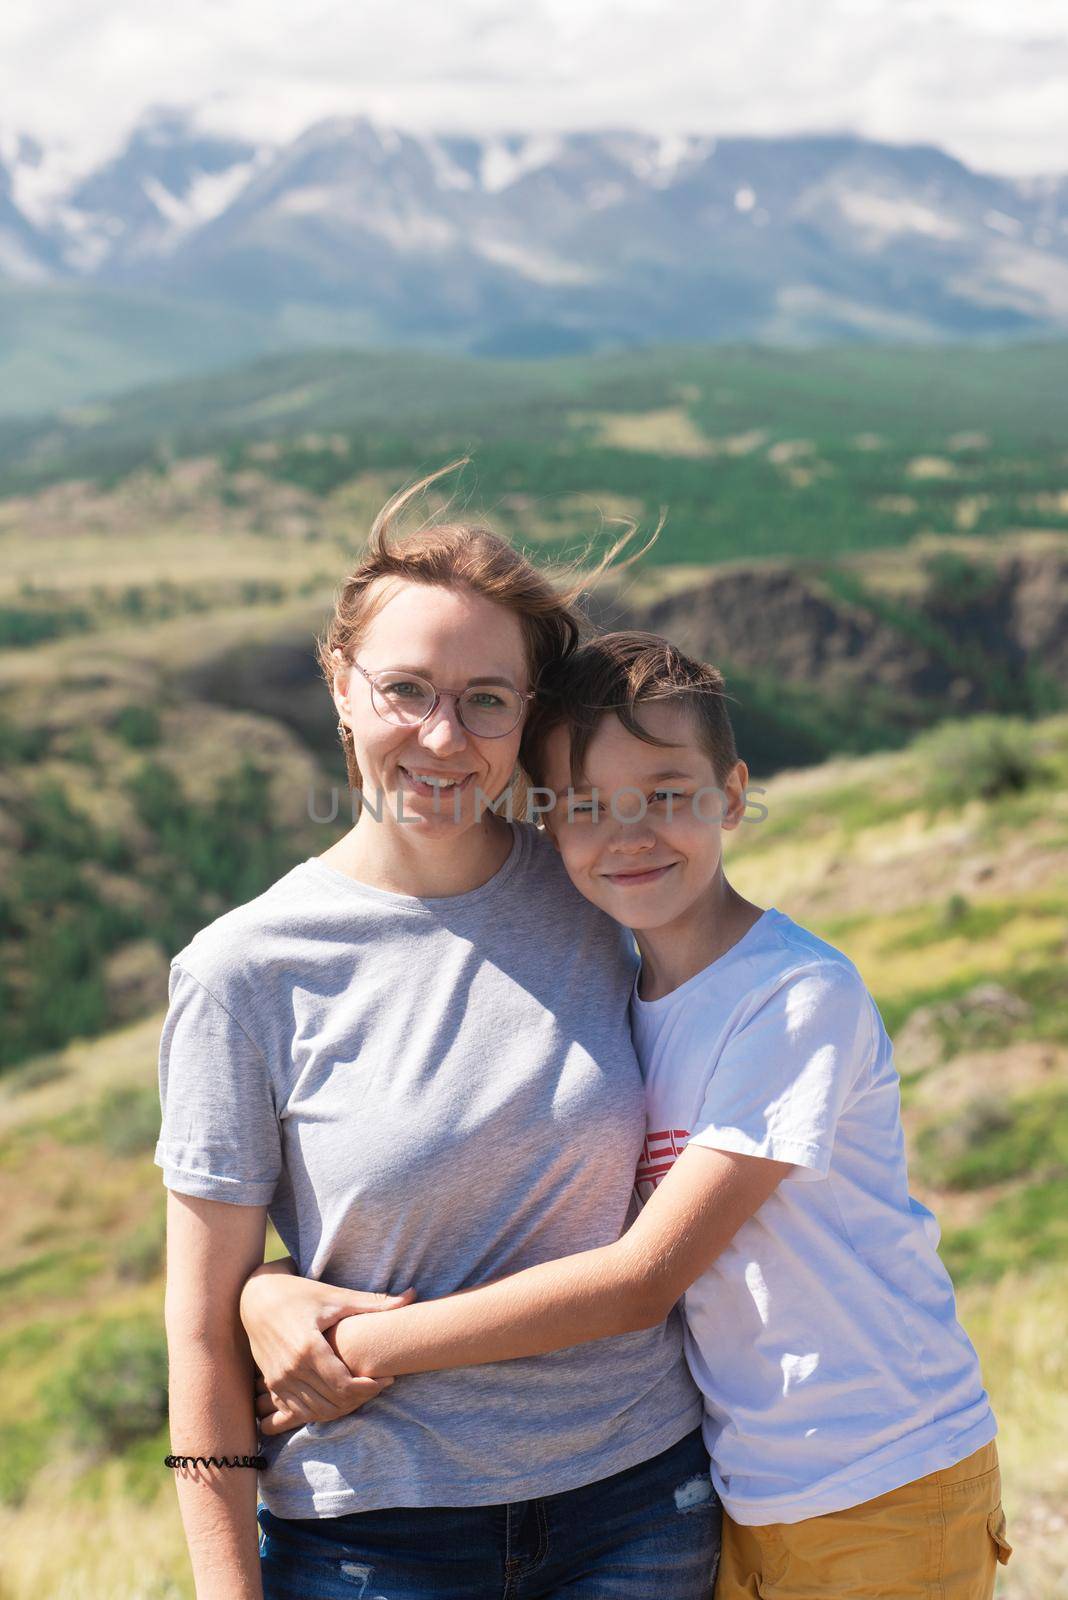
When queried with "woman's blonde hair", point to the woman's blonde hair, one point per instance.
{"points": [[470, 556]]}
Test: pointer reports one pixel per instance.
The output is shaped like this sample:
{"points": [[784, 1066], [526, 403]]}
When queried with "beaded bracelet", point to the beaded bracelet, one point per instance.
{"points": [[259, 1462]]}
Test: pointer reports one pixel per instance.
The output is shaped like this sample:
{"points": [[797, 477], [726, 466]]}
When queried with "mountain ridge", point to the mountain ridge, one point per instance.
{"points": [[532, 244]]}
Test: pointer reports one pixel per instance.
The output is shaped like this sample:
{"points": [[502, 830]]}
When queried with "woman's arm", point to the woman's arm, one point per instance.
{"points": [[631, 1284], [211, 1249]]}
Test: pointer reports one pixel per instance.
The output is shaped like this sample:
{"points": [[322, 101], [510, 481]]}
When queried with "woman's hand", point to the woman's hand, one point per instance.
{"points": [[287, 1320]]}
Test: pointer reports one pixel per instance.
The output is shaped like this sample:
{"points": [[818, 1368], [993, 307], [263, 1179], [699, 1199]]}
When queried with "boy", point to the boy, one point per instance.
{"points": [[852, 1441]]}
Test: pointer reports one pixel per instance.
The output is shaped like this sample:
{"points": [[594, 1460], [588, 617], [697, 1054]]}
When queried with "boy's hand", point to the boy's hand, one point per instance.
{"points": [[276, 1415], [287, 1320]]}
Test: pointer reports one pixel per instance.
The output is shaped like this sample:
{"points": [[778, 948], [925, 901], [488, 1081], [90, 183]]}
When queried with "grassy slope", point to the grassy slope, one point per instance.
{"points": [[934, 901]]}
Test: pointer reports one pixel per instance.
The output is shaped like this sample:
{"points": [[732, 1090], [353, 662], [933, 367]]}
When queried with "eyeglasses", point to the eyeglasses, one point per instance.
{"points": [[489, 711]]}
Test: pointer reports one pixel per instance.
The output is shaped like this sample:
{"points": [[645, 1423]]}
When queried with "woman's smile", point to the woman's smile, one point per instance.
{"points": [[431, 784]]}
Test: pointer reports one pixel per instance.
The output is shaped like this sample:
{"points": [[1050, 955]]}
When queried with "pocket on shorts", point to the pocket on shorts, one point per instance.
{"points": [[995, 1526]]}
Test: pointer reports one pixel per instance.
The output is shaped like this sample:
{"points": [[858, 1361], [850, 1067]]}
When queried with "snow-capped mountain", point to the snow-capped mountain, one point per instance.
{"points": [[27, 254], [527, 243], [168, 182]]}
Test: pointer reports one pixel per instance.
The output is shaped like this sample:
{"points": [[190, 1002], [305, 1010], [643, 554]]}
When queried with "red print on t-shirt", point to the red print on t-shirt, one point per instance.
{"points": [[659, 1154]]}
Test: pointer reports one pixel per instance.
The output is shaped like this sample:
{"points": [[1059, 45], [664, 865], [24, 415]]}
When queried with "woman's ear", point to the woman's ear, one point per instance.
{"points": [[339, 688]]}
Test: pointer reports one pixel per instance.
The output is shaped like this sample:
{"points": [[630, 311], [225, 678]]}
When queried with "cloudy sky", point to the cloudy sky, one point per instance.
{"points": [[985, 79]]}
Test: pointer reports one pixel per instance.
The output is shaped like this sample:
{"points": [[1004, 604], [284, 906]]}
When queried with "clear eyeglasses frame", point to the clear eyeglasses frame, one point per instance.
{"points": [[485, 722]]}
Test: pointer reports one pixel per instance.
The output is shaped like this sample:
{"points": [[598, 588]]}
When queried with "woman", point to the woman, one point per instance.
{"points": [[412, 1051]]}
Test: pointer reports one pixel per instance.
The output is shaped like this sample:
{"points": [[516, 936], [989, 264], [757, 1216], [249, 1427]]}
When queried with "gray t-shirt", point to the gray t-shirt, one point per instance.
{"points": [[431, 1092]]}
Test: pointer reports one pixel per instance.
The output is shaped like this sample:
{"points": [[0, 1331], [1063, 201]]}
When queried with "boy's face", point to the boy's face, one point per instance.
{"points": [[655, 843]]}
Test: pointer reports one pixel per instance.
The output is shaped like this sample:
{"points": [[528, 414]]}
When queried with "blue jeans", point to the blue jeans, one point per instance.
{"points": [[648, 1533]]}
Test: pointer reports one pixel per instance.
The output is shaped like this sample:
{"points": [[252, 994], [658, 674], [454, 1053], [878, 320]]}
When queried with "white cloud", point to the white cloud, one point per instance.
{"points": [[988, 82]]}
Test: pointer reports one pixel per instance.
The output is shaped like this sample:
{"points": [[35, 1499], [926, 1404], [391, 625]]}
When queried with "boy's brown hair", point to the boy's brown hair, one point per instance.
{"points": [[616, 673]]}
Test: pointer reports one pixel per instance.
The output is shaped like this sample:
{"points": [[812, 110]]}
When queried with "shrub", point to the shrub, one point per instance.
{"points": [[957, 584], [82, 749], [956, 1154], [128, 1121], [36, 1073], [991, 1139], [981, 759], [139, 1256], [19, 744], [21, 627], [113, 1391], [254, 590], [1024, 1229], [22, 1451], [62, 925], [138, 726], [955, 911]]}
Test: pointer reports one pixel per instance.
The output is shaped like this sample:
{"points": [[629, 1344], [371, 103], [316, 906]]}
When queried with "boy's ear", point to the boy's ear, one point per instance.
{"points": [[734, 789]]}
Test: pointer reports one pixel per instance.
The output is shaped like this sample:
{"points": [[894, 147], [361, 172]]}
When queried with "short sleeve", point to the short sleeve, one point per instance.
{"points": [[219, 1139], [783, 1077]]}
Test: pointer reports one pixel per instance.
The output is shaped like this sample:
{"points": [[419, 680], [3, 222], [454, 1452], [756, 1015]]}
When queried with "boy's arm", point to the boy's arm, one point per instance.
{"points": [[631, 1284]]}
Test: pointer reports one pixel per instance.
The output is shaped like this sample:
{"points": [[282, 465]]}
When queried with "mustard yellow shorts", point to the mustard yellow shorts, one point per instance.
{"points": [[938, 1538]]}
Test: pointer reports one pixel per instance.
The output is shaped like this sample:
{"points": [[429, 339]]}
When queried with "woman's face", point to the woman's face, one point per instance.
{"points": [[450, 637]]}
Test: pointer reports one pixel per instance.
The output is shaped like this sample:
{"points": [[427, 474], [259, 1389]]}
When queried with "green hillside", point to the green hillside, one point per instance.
{"points": [[940, 871], [163, 721], [170, 555], [754, 452]]}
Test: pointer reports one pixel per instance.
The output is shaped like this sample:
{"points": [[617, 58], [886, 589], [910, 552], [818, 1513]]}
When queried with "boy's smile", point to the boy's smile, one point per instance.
{"points": [[631, 878]]}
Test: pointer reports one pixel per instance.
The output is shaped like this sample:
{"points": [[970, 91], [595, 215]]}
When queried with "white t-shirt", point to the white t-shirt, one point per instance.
{"points": [[825, 1337]]}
